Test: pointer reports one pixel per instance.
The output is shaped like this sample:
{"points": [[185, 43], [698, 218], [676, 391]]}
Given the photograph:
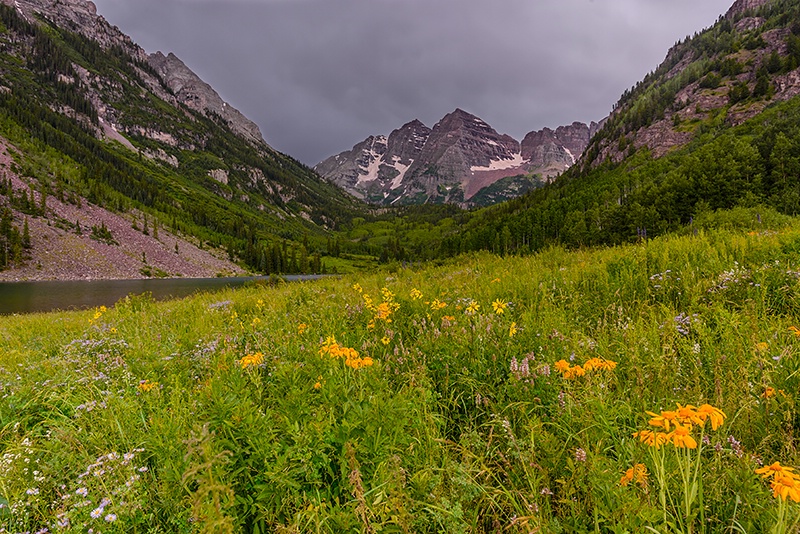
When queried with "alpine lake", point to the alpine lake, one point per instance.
{"points": [[46, 296]]}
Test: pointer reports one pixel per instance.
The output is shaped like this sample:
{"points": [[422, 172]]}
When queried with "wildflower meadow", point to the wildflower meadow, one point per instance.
{"points": [[642, 388]]}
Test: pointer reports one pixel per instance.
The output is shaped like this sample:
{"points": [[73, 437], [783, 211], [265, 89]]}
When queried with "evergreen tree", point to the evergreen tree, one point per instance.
{"points": [[26, 236]]}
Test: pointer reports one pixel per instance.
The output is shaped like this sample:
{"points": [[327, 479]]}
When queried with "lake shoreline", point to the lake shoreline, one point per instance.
{"points": [[64, 295]]}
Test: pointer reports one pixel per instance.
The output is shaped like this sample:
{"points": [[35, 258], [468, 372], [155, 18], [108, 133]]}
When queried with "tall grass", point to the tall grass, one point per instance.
{"points": [[439, 409]]}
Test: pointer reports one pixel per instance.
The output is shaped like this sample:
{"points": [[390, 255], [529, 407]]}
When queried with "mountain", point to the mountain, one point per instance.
{"points": [[732, 71], [89, 121], [460, 160], [711, 136], [715, 127]]}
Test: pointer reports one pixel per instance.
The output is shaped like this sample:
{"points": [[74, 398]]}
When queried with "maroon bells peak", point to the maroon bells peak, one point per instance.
{"points": [[459, 160]]}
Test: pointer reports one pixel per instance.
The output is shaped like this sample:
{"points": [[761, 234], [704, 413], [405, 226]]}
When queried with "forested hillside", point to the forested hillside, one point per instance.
{"points": [[88, 123]]}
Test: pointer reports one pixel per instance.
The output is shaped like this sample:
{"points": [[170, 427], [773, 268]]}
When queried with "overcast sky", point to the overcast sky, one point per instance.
{"points": [[318, 76]]}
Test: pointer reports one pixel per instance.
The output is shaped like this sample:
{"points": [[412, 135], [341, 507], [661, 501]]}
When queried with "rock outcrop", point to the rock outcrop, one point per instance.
{"points": [[742, 6], [198, 95]]}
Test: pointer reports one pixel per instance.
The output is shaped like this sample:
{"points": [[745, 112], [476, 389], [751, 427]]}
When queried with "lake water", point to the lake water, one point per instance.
{"points": [[31, 297]]}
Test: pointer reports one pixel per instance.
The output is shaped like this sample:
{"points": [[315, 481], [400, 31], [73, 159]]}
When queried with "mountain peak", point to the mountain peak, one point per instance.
{"points": [[200, 96], [462, 159]]}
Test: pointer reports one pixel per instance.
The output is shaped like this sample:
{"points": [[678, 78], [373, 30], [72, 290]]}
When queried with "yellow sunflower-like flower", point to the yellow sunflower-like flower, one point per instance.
{"points": [[774, 470], [652, 439], [146, 385], [665, 420], [252, 360], [638, 473], [688, 415], [715, 415], [682, 438], [786, 486], [499, 306]]}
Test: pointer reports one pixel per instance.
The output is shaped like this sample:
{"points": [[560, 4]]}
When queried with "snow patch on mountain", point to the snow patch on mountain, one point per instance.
{"points": [[502, 164]]}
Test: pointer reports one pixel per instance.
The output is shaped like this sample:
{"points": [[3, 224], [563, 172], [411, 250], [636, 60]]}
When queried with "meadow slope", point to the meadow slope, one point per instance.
{"points": [[483, 395]]}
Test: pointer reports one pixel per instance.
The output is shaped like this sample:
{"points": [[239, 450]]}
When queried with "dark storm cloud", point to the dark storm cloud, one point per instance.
{"points": [[320, 75]]}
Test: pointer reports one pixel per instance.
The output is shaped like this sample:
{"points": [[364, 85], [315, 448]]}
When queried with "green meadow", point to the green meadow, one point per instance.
{"points": [[484, 394]]}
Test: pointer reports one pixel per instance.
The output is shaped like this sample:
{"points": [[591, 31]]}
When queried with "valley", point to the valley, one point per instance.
{"points": [[594, 329]]}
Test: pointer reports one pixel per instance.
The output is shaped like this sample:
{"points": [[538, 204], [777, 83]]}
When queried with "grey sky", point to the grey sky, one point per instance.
{"points": [[319, 76]]}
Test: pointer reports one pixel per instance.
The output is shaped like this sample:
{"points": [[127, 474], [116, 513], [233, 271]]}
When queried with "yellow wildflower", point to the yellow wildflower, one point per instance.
{"points": [[682, 438], [357, 287], [769, 392], [438, 305], [252, 360], [301, 328], [385, 340], [717, 416], [387, 295], [499, 306], [762, 347], [688, 415], [350, 355], [653, 439], [574, 372], [256, 322], [608, 365], [112, 330], [775, 470], [786, 486], [512, 330], [383, 312], [638, 473], [416, 294], [146, 385], [368, 301], [473, 308], [665, 420], [103, 309], [562, 366], [496, 281]]}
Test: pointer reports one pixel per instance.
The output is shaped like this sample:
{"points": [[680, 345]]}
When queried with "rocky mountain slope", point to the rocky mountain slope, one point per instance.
{"points": [[711, 137], [729, 73], [90, 118], [460, 160]]}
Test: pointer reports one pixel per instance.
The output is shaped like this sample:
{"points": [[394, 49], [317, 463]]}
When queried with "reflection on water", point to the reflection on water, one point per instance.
{"points": [[30, 297]]}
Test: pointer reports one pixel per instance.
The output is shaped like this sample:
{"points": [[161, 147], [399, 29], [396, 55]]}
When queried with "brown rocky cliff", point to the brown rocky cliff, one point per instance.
{"points": [[198, 95], [549, 152], [406, 143], [741, 6], [460, 141]]}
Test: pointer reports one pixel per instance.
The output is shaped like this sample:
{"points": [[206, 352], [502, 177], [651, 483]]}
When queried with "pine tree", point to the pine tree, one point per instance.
{"points": [[26, 236]]}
